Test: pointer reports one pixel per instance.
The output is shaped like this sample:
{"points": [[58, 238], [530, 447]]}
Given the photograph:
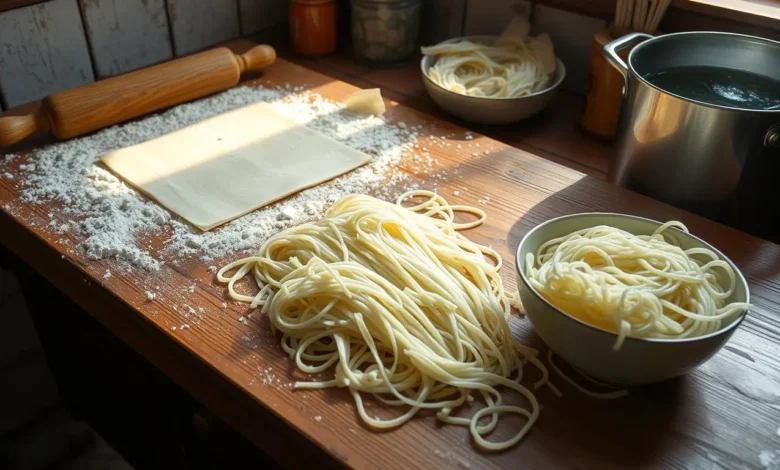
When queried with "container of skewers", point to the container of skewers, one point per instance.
{"points": [[602, 105]]}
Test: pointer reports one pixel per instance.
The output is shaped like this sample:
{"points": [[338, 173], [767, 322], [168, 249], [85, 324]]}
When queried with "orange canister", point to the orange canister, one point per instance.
{"points": [[605, 96], [313, 26]]}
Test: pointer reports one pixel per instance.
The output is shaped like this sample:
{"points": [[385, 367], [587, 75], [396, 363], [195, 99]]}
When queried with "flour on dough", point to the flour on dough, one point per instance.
{"points": [[224, 167]]}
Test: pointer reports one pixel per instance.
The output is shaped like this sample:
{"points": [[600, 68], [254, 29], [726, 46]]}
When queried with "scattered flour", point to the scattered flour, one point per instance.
{"points": [[451, 458], [318, 418], [150, 295], [769, 460], [269, 378], [112, 220]]}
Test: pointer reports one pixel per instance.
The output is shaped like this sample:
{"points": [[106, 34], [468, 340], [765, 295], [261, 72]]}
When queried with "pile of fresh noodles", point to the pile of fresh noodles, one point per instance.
{"points": [[642, 286], [516, 65], [397, 305]]}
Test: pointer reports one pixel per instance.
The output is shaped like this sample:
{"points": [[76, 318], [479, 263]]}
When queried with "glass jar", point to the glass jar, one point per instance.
{"points": [[385, 32], [313, 26]]}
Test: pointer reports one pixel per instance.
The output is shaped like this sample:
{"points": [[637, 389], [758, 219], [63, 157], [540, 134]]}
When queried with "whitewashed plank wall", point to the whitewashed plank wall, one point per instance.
{"points": [[52, 45], [258, 15], [572, 35], [42, 50], [126, 35], [198, 24], [493, 20], [441, 19]]}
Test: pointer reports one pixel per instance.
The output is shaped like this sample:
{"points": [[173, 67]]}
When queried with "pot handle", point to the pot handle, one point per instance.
{"points": [[611, 50], [772, 137]]}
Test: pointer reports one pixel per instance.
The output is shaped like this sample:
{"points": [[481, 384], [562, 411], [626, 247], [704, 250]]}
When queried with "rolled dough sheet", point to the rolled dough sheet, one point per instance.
{"points": [[224, 167]]}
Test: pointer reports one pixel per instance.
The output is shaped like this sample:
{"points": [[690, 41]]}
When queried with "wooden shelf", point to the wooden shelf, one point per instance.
{"points": [[756, 17]]}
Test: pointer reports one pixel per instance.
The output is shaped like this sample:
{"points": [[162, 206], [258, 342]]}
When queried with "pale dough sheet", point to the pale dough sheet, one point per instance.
{"points": [[224, 167]]}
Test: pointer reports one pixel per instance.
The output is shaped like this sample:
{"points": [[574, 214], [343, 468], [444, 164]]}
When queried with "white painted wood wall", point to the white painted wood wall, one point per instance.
{"points": [[60, 44]]}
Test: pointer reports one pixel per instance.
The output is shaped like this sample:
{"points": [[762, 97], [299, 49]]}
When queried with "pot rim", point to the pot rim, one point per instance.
{"points": [[672, 36]]}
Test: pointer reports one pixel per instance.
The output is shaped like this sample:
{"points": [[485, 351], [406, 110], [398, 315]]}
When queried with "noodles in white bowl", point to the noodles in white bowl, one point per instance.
{"points": [[642, 286], [515, 66]]}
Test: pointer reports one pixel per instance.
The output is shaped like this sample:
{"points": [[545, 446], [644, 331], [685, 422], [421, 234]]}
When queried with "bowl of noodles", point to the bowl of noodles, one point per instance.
{"points": [[628, 300], [493, 79]]}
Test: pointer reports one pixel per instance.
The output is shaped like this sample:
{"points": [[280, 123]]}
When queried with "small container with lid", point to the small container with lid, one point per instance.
{"points": [[313, 26], [385, 32]]}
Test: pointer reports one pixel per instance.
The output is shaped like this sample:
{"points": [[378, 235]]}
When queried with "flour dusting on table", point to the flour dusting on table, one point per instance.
{"points": [[111, 218]]}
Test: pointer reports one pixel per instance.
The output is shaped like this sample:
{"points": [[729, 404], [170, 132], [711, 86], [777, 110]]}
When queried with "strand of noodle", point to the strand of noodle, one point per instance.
{"points": [[635, 285], [400, 306], [507, 69]]}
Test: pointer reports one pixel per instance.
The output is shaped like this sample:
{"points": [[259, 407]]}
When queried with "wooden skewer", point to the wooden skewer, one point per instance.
{"points": [[628, 14], [659, 14], [635, 21], [651, 11], [622, 14]]}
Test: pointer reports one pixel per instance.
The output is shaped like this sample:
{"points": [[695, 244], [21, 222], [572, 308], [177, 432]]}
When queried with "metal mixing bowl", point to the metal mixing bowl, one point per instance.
{"points": [[489, 110], [589, 348]]}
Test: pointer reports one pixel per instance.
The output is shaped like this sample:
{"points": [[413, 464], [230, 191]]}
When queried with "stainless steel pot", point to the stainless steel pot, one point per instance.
{"points": [[719, 161]]}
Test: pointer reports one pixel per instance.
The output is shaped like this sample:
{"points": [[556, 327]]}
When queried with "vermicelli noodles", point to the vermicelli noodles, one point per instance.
{"points": [[399, 306], [636, 285]]}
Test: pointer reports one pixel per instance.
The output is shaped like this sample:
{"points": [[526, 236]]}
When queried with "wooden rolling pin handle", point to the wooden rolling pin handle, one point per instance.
{"points": [[14, 129], [256, 59], [85, 109]]}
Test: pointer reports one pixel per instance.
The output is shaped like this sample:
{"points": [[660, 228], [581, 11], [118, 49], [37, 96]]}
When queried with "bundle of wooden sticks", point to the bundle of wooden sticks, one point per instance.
{"points": [[640, 15]]}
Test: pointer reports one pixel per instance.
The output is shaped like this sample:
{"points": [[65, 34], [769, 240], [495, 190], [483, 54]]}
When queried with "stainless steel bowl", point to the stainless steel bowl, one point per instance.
{"points": [[589, 348], [490, 110]]}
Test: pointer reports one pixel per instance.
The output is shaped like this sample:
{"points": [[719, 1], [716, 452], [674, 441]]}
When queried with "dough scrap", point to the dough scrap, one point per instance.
{"points": [[367, 101]]}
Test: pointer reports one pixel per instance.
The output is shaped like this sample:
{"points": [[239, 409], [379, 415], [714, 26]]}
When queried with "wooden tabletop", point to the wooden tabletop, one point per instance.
{"points": [[726, 414], [554, 134]]}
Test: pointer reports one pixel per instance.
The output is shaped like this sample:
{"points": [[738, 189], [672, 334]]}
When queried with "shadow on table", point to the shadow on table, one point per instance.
{"points": [[752, 255], [642, 429]]}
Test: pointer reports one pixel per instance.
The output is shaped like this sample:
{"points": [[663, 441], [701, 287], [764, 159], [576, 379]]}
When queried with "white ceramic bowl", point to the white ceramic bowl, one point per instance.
{"points": [[490, 110], [589, 348]]}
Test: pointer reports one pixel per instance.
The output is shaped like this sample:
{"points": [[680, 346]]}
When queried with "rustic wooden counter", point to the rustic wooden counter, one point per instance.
{"points": [[724, 415], [553, 134]]}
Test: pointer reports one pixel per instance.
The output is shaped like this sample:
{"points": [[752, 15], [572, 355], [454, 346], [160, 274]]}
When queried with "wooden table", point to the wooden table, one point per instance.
{"points": [[553, 134], [723, 415]]}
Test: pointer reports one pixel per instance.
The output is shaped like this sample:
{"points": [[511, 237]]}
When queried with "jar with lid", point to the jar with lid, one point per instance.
{"points": [[385, 32], [313, 26]]}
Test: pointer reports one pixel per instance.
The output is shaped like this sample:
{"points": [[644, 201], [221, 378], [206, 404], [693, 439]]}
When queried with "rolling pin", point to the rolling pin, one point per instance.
{"points": [[81, 110]]}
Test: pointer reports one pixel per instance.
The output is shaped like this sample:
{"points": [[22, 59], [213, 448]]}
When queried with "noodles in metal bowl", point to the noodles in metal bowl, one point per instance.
{"points": [[635, 356]]}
